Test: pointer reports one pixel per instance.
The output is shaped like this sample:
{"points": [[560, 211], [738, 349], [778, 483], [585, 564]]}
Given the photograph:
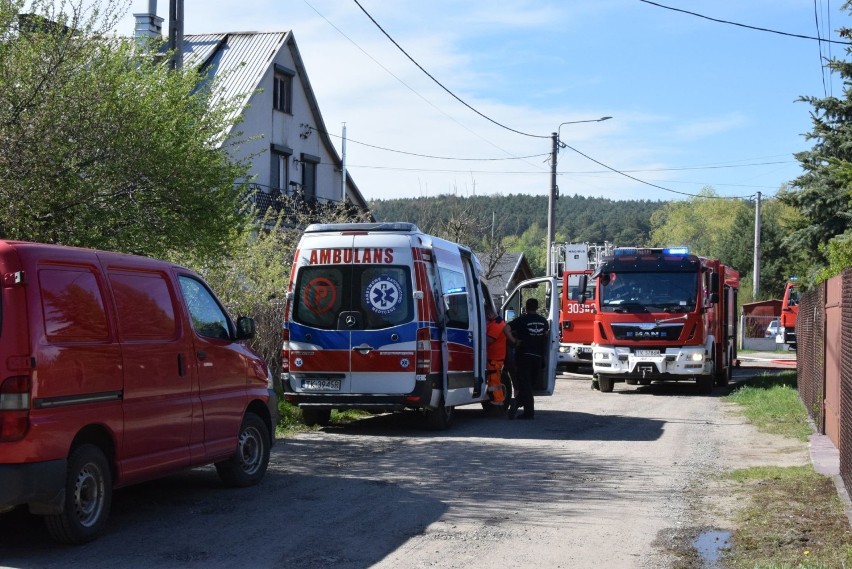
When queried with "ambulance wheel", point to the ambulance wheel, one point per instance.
{"points": [[605, 384], [507, 390], [312, 416], [247, 465], [441, 418], [88, 496]]}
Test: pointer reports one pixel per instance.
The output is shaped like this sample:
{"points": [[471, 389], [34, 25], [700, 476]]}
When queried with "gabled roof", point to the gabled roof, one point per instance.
{"points": [[239, 61], [509, 268]]}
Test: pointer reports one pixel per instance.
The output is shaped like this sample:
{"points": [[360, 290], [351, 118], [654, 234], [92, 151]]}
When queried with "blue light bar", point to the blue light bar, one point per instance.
{"points": [[676, 251], [625, 251]]}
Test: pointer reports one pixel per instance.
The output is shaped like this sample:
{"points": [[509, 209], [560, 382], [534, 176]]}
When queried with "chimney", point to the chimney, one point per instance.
{"points": [[148, 26]]}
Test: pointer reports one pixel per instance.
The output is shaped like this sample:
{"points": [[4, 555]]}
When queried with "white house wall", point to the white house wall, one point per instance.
{"points": [[269, 127]]}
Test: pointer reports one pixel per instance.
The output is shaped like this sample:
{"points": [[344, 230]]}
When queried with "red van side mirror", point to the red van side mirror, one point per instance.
{"points": [[245, 328]]}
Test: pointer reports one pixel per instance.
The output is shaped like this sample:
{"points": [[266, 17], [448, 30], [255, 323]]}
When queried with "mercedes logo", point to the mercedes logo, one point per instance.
{"points": [[350, 321]]}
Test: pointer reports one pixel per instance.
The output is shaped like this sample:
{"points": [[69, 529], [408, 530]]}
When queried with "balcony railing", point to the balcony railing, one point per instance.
{"points": [[293, 207]]}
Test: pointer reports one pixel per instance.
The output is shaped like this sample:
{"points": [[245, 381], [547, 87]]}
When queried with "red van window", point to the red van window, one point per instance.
{"points": [[144, 306], [73, 306]]}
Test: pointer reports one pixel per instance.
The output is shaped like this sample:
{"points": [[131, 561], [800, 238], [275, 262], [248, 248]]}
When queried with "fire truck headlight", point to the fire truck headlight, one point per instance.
{"points": [[601, 355], [696, 356]]}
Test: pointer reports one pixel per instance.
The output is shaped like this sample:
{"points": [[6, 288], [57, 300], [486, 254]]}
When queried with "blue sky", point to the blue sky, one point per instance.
{"points": [[694, 102]]}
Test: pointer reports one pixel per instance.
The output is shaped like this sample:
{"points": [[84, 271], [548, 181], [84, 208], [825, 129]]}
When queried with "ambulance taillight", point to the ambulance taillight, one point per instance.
{"points": [[424, 351], [285, 350]]}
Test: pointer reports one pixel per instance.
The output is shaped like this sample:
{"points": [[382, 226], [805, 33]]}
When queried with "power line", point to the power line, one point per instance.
{"points": [[461, 159], [634, 178], [528, 173], [819, 44], [441, 85], [409, 87], [438, 157], [745, 25]]}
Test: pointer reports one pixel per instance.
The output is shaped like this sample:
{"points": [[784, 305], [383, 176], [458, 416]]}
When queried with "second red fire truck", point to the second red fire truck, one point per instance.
{"points": [[663, 315]]}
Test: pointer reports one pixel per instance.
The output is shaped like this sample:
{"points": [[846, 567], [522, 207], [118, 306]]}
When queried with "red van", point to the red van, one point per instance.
{"points": [[118, 369]]}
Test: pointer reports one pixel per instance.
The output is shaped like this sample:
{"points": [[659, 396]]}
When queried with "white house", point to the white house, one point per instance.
{"points": [[289, 148]]}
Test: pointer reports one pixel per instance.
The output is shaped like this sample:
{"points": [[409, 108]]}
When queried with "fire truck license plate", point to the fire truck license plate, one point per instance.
{"points": [[647, 353], [321, 384]]}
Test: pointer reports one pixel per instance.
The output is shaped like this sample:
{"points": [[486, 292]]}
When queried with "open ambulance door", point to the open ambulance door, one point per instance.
{"points": [[546, 290]]}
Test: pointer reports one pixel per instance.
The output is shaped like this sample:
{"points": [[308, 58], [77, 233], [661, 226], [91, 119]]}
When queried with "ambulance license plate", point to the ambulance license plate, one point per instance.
{"points": [[647, 353], [321, 384]]}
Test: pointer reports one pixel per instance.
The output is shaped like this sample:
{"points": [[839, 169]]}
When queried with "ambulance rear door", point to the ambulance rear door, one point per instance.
{"points": [[546, 290], [383, 315], [353, 328], [320, 338]]}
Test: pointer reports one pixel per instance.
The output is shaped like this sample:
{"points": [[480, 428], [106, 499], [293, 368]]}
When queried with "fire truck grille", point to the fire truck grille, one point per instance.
{"points": [[643, 333]]}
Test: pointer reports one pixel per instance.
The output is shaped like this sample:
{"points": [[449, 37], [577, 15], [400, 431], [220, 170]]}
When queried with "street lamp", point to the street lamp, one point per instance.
{"points": [[553, 189]]}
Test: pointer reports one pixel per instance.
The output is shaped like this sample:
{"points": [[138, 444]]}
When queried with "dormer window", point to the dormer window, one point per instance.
{"points": [[282, 89]]}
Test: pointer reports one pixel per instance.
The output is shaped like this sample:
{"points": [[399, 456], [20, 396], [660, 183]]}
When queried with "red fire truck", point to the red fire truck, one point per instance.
{"points": [[663, 315], [789, 312], [577, 317]]}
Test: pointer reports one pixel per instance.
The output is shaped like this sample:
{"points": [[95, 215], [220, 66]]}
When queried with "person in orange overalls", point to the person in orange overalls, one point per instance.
{"points": [[498, 333]]}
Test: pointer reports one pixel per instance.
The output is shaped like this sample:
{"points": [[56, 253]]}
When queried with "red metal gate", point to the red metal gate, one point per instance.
{"points": [[833, 353]]}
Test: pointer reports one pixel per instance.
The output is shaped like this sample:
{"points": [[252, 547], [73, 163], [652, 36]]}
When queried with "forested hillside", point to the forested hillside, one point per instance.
{"points": [[578, 218]]}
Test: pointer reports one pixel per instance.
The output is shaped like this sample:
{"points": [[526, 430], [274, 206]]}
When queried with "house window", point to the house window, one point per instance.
{"points": [[309, 176], [279, 173], [282, 90]]}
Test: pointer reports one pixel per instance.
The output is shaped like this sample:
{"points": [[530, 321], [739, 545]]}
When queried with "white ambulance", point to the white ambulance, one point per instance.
{"points": [[383, 317]]}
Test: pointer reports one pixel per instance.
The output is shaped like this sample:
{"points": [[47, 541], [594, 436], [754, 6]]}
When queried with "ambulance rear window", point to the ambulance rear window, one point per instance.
{"points": [[362, 297]]}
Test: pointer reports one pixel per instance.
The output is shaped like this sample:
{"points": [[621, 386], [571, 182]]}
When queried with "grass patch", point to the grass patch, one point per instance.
{"points": [[771, 402], [794, 519], [290, 418]]}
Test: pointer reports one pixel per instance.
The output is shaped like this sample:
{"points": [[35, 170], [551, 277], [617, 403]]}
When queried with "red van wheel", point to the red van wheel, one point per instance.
{"points": [[248, 464], [88, 496]]}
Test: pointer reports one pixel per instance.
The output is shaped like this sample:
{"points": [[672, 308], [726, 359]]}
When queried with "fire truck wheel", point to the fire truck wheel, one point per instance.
{"points": [[441, 418], [605, 384], [313, 417], [705, 383], [723, 377]]}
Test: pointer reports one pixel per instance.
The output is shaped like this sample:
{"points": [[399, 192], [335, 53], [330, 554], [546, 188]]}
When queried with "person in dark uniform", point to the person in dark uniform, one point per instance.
{"points": [[532, 333]]}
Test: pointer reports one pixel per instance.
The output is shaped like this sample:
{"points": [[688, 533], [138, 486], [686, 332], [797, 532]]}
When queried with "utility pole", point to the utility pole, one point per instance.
{"points": [[343, 167], [551, 203], [756, 281], [554, 191], [176, 33]]}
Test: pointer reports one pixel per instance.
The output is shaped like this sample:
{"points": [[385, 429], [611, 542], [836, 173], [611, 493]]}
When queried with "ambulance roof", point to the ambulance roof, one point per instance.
{"points": [[397, 226]]}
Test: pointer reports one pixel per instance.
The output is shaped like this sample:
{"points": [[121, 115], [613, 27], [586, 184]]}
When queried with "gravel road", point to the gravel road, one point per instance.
{"points": [[596, 480]]}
